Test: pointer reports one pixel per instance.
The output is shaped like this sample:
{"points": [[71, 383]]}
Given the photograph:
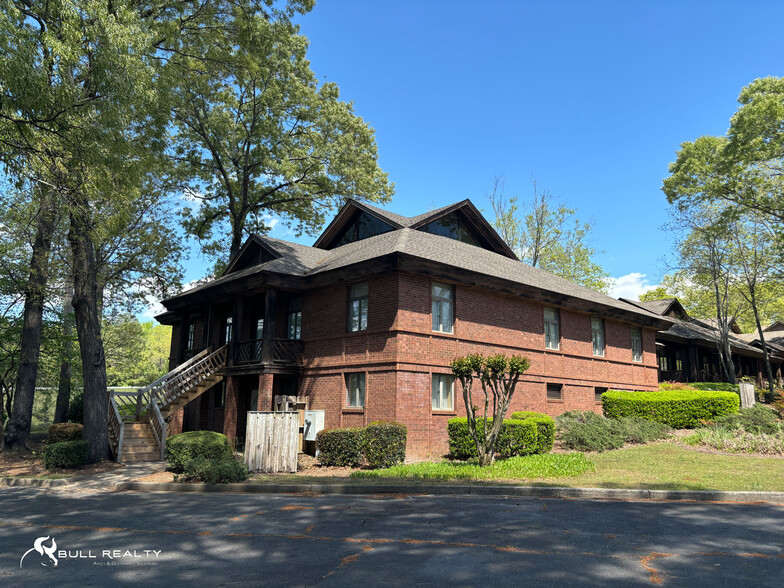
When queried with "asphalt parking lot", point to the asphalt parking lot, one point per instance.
{"points": [[298, 540]]}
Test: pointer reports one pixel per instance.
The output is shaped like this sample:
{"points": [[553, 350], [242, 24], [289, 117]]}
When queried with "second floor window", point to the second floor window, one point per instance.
{"points": [[443, 307], [597, 336], [636, 344], [355, 390], [294, 322], [229, 331], [551, 335], [191, 335], [358, 307]]}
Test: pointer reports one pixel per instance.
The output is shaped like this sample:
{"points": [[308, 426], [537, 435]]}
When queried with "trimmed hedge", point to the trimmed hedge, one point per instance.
{"points": [[207, 444], [66, 454], [546, 425], [222, 470], [515, 438], [385, 444], [677, 408], [60, 432], [340, 447]]}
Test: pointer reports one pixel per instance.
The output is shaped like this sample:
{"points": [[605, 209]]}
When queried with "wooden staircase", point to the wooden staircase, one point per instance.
{"points": [[139, 443], [138, 420]]}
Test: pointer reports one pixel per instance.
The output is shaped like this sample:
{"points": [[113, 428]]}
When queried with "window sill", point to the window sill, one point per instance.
{"points": [[353, 410], [440, 412], [556, 400]]}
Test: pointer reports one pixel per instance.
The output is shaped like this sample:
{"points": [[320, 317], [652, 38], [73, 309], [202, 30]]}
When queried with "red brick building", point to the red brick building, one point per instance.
{"points": [[365, 323]]}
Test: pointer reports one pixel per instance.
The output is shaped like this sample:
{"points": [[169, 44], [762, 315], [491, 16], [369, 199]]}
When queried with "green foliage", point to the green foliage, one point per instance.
{"points": [[76, 407], [340, 447], [715, 386], [756, 419], [544, 423], [136, 353], [549, 237], [385, 444], [64, 432], [678, 408], [588, 431], [514, 438], [66, 454], [561, 465], [220, 470], [738, 440], [205, 444]]}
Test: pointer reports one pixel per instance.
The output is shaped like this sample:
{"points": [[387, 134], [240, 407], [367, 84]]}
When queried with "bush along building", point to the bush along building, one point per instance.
{"points": [[688, 351], [364, 325]]}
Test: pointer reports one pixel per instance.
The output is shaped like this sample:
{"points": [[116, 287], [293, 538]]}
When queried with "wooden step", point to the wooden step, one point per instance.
{"points": [[145, 456]]}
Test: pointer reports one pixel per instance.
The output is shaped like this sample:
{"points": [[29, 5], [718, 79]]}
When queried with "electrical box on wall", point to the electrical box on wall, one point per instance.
{"points": [[314, 422]]}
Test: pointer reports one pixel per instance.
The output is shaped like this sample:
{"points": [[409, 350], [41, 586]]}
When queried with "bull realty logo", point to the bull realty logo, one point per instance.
{"points": [[49, 556]]}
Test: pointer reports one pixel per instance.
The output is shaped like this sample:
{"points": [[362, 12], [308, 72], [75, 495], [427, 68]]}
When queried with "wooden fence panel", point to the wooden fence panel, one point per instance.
{"points": [[271, 442]]}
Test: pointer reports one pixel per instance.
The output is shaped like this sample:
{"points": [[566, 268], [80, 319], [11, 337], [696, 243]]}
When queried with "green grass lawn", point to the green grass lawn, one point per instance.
{"points": [[657, 466]]}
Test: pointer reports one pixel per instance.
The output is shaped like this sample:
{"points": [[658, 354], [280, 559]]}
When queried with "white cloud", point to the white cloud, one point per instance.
{"points": [[630, 286]]}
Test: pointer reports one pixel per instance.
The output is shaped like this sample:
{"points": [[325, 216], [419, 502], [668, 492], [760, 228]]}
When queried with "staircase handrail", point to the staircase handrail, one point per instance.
{"points": [[144, 395], [173, 387], [117, 423], [158, 426]]}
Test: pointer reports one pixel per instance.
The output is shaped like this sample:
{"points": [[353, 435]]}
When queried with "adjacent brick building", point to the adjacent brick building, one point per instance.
{"points": [[365, 323]]}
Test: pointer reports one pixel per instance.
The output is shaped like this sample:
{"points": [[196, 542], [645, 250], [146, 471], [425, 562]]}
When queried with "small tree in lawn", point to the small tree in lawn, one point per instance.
{"points": [[498, 376]]}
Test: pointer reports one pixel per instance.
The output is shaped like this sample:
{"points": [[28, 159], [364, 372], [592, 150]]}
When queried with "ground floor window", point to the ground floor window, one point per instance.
{"points": [[597, 393], [355, 390], [554, 391], [443, 392]]}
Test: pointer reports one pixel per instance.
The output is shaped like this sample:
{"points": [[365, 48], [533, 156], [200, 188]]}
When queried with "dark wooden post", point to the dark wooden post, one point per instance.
{"points": [[693, 364], [268, 336], [185, 325]]}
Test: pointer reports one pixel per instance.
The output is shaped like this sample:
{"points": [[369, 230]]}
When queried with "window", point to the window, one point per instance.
{"points": [[636, 344], [443, 392], [355, 390], [294, 322], [228, 332], [551, 335], [597, 393], [259, 328], [442, 307], [663, 363], [358, 307], [597, 336], [191, 335], [554, 391]]}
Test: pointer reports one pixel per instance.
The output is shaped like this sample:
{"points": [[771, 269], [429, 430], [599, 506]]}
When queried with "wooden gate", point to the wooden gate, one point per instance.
{"points": [[271, 442]]}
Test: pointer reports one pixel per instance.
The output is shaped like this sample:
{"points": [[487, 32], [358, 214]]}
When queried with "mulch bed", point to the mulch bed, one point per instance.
{"points": [[30, 464]]}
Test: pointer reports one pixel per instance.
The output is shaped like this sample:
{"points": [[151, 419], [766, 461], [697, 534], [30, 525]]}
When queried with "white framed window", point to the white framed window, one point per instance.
{"points": [[597, 336], [636, 344], [358, 307], [191, 336], [443, 392], [294, 322], [355, 390], [443, 307], [552, 335], [229, 331]]}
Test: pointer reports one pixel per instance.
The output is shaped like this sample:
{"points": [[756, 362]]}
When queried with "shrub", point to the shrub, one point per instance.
{"points": [[64, 432], [588, 431], [66, 454], [546, 426], [715, 387], [76, 407], [738, 440], [676, 408], [757, 419], [340, 447], [385, 444], [221, 470], [515, 438], [207, 444]]}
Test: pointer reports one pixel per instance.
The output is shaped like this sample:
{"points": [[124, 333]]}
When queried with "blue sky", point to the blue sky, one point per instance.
{"points": [[592, 99]]}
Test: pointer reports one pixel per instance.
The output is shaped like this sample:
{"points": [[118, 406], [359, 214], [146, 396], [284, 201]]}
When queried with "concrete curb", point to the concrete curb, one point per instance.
{"points": [[461, 490], [35, 482]]}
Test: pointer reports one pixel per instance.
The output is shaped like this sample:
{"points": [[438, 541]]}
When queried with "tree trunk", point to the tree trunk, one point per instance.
{"points": [[64, 384], [18, 429], [768, 370], [88, 330]]}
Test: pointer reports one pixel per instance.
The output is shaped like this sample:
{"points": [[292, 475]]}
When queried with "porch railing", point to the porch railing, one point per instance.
{"points": [[284, 351], [116, 428]]}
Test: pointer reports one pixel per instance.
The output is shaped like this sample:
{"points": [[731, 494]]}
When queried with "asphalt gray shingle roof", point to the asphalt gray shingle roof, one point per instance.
{"points": [[300, 260], [405, 221]]}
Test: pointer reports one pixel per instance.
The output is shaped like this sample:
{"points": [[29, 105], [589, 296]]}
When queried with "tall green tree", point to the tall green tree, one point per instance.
{"points": [[548, 236], [256, 133]]}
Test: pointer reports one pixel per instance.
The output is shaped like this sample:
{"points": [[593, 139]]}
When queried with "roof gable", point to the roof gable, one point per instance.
{"points": [[777, 326], [460, 221], [253, 252]]}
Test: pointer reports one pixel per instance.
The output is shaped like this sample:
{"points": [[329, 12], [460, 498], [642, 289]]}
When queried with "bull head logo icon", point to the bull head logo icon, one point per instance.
{"points": [[43, 550]]}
